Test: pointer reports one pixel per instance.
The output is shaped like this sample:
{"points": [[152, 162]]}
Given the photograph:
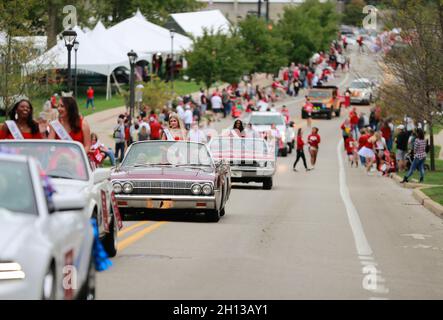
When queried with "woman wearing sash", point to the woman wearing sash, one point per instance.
{"points": [[70, 125], [21, 126], [176, 129]]}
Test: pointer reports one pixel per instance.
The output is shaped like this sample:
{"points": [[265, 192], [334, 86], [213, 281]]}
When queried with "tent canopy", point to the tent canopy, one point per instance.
{"points": [[195, 22]]}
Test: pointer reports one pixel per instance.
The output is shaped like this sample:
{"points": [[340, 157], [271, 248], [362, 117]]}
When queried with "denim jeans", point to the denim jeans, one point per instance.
{"points": [[362, 160], [111, 156], [89, 102], [120, 150], [418, 164]]}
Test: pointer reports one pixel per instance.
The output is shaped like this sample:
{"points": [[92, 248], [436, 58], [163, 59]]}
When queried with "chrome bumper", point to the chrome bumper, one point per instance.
{"points": [[251, 172], [165, 202]]}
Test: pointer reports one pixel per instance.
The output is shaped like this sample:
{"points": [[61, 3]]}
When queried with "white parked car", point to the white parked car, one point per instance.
{"points": [[362, 91], [45, 241], [68, 166], [262, 123]]}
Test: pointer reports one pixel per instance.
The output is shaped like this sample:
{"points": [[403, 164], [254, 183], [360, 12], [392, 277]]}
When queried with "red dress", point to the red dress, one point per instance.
{"points": [[76, 136], [6, 135]]}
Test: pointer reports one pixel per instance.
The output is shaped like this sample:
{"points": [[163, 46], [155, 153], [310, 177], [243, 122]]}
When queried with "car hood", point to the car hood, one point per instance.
{"points": [[245, 155], [166, 173], [14, 229], [63, 186], [262, 128]]}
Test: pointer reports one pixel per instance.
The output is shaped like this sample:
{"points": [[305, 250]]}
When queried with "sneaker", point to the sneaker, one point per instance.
{"points": [[307, 169], [421, 180], [404, 180], [295, 170]]}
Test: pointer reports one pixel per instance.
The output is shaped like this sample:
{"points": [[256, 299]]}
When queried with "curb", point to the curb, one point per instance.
{"points": [[420, 196]]}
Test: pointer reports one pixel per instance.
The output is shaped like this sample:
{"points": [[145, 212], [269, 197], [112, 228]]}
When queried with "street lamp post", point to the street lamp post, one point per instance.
{"points": [[132, 60], [76, 44], [172, 32], [69, 36]]}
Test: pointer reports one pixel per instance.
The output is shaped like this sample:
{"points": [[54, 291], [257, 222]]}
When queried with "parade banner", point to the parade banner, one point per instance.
{"points": [[14, 130]]}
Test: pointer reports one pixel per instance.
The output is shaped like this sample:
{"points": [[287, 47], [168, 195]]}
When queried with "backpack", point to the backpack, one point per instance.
{"points": [[117, 133]]}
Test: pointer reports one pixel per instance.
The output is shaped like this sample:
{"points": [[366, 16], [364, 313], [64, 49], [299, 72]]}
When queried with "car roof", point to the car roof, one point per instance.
{"points": [[266, 113]]}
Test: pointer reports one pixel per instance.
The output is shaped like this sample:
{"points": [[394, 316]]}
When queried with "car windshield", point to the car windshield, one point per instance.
{"points": [[227, 145], [58, 160], [359, 85], [168, 153], [259, 120], [319, 94], [16, 189]]}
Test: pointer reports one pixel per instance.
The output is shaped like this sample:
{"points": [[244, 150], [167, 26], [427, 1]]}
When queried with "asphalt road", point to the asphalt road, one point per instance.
{"points": [[331, 233]]}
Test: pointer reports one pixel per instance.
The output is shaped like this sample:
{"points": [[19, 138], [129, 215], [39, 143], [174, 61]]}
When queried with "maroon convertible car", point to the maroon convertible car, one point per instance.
{"points": [[170, 176]]}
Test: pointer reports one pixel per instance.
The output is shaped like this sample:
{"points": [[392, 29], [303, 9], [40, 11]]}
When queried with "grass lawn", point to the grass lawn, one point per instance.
{"points": [[435, 194]]}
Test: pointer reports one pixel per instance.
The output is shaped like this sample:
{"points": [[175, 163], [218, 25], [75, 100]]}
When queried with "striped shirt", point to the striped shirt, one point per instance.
{"points": [[419, 149]]}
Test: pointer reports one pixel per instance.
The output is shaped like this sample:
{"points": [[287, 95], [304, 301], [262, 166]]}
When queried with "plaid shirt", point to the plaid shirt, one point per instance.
{"points": [[419, 149]]}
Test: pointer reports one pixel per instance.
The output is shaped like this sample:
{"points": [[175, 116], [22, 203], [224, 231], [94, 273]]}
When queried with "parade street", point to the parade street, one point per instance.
{"points": [[330, 233]]}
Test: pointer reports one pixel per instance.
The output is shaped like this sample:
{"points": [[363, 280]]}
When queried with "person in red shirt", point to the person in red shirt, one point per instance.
{"points": [[314, 141], [300, 150], [347, 98], [353, 116], [21, 115], [90, 98], [310, 76], [54, 100], [351, 150], [155, 128], [309, 107]]}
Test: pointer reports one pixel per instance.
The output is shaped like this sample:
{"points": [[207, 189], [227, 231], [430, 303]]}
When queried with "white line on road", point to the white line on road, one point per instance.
{"points": [[371, 275]]}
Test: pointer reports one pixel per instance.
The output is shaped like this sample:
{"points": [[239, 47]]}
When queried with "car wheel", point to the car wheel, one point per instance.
{"points": [[303, 114], [213, 215], [337, 113], [48, 291], [88, 289], [329, 115], [267, 184], [110, 239]]}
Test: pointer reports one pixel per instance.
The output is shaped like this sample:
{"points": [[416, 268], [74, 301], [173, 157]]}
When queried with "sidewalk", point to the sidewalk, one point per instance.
{"points": [[102, 123]]}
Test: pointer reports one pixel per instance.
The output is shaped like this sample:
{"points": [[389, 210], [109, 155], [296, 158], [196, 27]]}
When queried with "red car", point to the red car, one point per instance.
{"points": [[171, 176]]}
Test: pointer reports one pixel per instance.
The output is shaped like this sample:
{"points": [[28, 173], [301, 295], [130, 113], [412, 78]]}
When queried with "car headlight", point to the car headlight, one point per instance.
{"points": [[11, 271], [127, 187], [262, 164], [117, 187], [196, 189], [207, 189]]}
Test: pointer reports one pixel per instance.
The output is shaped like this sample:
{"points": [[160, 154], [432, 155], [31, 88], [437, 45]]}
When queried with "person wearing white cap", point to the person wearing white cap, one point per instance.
{"points": [[402, 147]]}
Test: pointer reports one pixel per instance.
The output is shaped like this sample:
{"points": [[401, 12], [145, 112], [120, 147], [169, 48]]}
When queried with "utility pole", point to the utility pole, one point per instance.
{"points": [[259, 9], [267, 10]]}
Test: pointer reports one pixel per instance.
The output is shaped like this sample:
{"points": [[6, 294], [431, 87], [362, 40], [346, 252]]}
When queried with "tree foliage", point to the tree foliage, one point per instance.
{"points": [[353, 13], [217, 57], [309, 28], [262, 45], [415, 67]]}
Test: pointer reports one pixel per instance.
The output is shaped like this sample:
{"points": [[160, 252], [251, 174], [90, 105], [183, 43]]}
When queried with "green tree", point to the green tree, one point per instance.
{"points": [[308, 28], [353, 14], [217, 57], [262, 45]]}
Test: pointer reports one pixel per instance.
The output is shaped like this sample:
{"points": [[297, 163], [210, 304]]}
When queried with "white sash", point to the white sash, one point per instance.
{"points": [[168, 134], [60, 130], [235, 133], [14, 130]]}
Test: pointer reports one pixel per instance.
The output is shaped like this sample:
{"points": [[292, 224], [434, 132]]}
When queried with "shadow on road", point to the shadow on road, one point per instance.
{"points": [[246, 187], [167, 216]]}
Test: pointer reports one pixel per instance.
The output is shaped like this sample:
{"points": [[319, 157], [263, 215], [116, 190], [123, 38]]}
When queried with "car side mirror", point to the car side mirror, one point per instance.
{"points": [[71, 202], [101, 175]]}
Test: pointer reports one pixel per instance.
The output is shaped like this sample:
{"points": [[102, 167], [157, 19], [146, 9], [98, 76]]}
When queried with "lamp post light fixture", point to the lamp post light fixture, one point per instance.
{"points": [[69, 36], [172, 67], [132, 60], [76, 45]]}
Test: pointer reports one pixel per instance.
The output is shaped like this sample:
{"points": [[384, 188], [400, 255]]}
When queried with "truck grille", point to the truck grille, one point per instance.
{"points": [[244, 163]]}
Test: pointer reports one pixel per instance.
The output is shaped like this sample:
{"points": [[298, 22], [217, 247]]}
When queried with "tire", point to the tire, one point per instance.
{"points": [[88, 289], [329, 115], [337, 113], [303, 114], [267, 184], [213, 215], [49, 285], [110, 239]]}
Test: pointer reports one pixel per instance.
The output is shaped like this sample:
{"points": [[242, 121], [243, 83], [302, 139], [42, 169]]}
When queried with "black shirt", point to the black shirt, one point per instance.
{"points": [[402, 141]]}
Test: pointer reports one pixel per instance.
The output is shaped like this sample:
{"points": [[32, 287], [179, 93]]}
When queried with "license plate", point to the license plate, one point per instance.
{"points": [[236, 174], [159, 204]]}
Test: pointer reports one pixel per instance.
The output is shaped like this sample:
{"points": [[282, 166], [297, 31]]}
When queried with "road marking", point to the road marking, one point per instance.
{"points": [[372, 281], [138, 235], [417, 236], [132, 227]]}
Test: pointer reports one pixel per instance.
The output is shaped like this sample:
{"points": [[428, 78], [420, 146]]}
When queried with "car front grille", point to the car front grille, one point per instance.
{"points": [[174, 188], [244, 163]]}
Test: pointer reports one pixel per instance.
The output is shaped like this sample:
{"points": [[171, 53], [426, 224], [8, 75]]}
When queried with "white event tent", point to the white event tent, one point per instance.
{"points": [[195, 23], [103, 50]]}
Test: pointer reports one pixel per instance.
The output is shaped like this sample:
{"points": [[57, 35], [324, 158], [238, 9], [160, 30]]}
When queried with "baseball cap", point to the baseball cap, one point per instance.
{"points": [[401, 127]]}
